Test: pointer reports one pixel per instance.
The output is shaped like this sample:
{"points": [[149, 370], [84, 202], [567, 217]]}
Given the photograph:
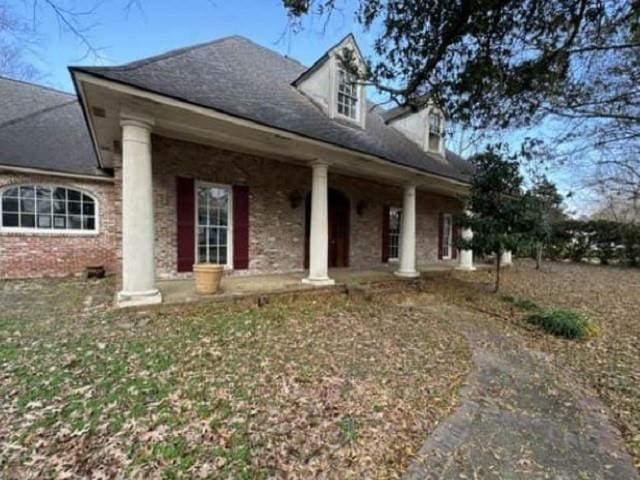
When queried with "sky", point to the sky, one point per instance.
{"points": [[157, 26], [162, 25]]}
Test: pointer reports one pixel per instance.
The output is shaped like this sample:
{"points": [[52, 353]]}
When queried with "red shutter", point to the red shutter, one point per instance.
{"points": [[454, 242], [240, 227], [385, 233], [440, 231], [185, 199]]}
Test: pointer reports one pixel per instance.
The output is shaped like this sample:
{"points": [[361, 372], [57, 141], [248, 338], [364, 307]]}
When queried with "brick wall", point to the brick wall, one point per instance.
{"points": [[57, 253], [276, 241]]}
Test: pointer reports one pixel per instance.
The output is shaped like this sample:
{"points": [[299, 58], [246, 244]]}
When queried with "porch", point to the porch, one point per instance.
{"points": [[239, 286]]}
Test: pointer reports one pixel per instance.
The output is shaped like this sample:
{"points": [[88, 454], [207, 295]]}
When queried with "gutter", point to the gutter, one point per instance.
{"points": [[55, 173]]}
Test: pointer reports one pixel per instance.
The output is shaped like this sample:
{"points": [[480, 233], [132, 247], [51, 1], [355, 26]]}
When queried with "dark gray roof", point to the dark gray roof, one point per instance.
{"points": [[238, 77], [44, 129]]}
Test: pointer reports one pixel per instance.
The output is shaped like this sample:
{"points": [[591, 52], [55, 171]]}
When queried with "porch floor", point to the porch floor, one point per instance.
{"points": [[183, 291]]}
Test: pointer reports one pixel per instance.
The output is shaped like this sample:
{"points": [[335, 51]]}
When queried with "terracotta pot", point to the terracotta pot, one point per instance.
{"points": [[207, 276]]}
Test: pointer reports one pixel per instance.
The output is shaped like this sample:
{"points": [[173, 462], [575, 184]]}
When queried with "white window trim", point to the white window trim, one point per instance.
{"points": [[391, 210], [229, 189], [450, 242], [52, 231], [335, 85], [427, 148]]}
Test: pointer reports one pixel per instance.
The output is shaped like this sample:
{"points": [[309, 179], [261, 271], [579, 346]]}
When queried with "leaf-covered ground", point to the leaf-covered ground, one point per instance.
{"points": [[608, 364], [314, 388]]}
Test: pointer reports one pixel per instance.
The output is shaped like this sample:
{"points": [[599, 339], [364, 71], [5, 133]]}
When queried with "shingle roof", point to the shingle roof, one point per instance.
{"points": [[238, 77], [44, 129]]}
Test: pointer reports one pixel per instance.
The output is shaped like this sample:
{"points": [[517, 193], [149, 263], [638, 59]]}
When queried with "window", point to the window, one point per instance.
{"points": [[395, 220], [48, 208], [435, 132], [347, 95], [447, 236], [213, 210]]}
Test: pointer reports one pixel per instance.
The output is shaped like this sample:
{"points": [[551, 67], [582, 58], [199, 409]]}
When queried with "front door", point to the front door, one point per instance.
{"points": [[339, 224]]}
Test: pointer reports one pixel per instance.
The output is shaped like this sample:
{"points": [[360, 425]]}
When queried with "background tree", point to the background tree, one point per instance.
{"points": [[497, 209], [542, 210], [569, 66]]}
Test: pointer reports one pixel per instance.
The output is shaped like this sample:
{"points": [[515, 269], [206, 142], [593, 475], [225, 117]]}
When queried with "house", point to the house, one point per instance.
{"points": [[223, 152]]}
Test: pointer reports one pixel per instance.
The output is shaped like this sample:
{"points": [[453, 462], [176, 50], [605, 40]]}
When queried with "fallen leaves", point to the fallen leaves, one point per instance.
{"points": [[332, 389]]}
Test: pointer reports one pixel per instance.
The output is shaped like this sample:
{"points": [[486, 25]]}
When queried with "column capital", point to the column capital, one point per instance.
{"points": [[320, 162], [136, 119]]}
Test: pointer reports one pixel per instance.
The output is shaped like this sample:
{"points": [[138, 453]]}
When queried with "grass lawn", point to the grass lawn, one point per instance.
{"points": [[608, 364], [317, 387]]}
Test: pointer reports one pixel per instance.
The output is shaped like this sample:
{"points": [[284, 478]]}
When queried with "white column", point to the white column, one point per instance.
{"points": [[319, 234], [408, 235], [138, 262], [506, 259], [466, 256]]}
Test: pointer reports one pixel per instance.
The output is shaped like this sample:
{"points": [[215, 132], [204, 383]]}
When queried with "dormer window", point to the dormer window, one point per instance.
{"points": [[436, 132], [347, 98]]}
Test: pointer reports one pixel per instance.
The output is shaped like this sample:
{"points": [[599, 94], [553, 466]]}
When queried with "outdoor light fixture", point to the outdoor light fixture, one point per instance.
{"points": [[295, 198], [361, 206]]}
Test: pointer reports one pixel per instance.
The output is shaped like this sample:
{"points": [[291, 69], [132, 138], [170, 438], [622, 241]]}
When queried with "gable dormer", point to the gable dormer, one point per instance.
{"points": [[336, 91], [424, 126]]}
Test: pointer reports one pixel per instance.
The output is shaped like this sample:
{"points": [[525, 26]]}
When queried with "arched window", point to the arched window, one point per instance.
{"points": [[435, 140], [48, 208]]}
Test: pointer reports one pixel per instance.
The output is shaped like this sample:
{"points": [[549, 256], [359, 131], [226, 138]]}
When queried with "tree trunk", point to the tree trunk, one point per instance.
{"points": [[498, 259], [538, 256]]}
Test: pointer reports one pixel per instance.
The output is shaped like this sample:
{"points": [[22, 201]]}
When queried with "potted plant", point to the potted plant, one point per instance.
{"points": [[208, 277]]}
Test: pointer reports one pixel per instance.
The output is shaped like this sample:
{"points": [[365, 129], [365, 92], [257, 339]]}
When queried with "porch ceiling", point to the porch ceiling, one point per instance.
{"points": [[105, 100]]}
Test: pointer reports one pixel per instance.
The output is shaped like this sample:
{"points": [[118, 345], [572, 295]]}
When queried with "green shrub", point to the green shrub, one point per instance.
{"points": [[522, 303], [564, 323], [526, 304]]}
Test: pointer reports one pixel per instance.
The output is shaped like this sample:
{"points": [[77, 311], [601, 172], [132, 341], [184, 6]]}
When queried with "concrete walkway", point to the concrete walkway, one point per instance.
{"points": [[183, 291], [520, 418]]}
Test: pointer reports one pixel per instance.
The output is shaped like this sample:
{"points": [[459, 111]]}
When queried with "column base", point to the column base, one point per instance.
{"points": [[400, 273], [136, 299], [319, 282], [466, 269]]}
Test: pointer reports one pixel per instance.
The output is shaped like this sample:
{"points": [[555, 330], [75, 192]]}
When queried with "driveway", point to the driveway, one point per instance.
{"points": [[519, 417]]}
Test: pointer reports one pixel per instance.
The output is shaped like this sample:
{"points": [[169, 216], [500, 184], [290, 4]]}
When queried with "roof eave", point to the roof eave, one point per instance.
{"points": [[296, 135], [83, 104]]}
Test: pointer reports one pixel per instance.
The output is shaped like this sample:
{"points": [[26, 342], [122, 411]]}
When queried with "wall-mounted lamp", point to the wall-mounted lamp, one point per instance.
{"points": [[295, 198], [361, 206]]}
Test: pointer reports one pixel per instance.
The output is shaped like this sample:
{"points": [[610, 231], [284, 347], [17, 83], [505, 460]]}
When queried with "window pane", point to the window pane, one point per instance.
{"points": [[12, 192], [202, 236], [59, 207], [89, 223], [44, 221], [9, 204], [86, 199], [222, 255], [74, 222], [434, 142], [203, 217], [27, 221], [213, 236], [213, 255], [88, 208], [27, 192], [73, 195], [28, 205], [59, 222], [60, 193], [202, 254], [43, 192], [74, 208], [44, 206], [10, 220]]}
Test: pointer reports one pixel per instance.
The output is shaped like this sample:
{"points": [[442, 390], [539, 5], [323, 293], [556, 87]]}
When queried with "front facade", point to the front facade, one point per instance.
{"points": [[286, 169]]}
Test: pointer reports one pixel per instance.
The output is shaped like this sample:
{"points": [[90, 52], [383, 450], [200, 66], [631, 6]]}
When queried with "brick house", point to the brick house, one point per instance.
{"points": [[224, 152]]}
